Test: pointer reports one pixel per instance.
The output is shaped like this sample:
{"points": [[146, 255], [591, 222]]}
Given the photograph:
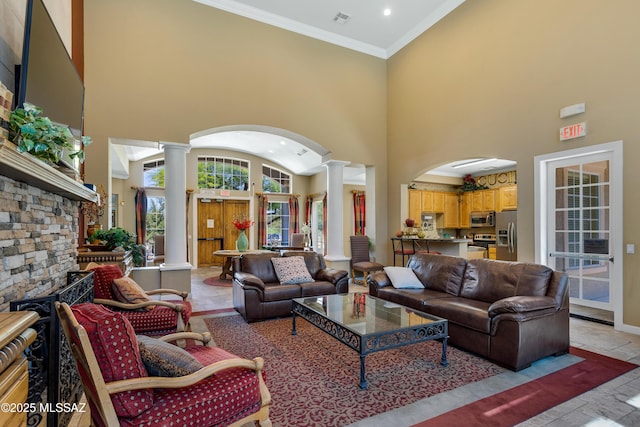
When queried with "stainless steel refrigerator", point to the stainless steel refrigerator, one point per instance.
{"points": [[506, 236]]}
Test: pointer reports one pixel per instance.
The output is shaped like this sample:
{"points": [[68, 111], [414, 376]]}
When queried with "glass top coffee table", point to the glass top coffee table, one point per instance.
{"points": [[368, 324]]}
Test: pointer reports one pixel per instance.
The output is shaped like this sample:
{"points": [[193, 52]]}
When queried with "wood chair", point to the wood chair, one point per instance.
{"points": [[154, 317], [360, 259], [227, 390], [297, 240]]}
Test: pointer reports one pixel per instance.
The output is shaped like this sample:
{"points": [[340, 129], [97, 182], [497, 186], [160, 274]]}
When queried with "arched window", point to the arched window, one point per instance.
{"points": [[153, 173], [275, 181], [223, 173]]}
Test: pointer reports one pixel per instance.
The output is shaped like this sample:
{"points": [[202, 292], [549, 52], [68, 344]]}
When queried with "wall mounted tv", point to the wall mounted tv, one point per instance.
{"points": [[48, 77]]}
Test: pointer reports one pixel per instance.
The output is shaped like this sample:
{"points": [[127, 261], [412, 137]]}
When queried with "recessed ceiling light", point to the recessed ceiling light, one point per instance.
{"points": [[386, 12]]}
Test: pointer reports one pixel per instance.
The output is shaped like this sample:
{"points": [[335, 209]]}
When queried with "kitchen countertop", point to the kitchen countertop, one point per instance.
{"points": [[448, 240]]}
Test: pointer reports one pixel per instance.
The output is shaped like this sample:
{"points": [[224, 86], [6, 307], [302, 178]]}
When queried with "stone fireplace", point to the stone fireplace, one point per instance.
{"points": [[39, 214]]}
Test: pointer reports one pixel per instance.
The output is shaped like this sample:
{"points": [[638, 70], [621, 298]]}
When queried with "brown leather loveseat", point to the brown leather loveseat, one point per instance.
{"points": [[258, 294], [512, 313]]}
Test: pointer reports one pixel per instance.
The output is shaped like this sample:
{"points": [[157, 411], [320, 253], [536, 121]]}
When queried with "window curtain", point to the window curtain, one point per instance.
{"points": [[187, 222], [359, 213], [307, 210], [141, 216], [294, 214], [324, 221], [263, 204], [307, 215]]}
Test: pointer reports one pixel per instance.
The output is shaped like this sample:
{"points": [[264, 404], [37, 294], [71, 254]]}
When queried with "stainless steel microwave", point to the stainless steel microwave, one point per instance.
{"points": [[483, 219]]}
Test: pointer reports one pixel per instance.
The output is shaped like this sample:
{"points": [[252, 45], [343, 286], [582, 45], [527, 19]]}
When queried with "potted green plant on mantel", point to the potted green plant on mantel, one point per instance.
{"points": [[37, 135], [117, 238]]}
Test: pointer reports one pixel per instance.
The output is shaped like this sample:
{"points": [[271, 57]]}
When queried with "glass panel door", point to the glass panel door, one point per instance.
{"points": [[579, 227]]}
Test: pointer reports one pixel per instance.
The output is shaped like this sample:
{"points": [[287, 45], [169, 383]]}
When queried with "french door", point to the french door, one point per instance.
{"points": [[580, 239]]}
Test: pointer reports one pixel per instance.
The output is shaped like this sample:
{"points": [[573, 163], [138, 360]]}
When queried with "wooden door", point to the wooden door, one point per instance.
{"points": [[210, 231], [234, 209]]}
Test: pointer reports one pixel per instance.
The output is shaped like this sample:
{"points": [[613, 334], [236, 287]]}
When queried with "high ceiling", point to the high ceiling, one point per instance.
{"points": [[360, 25]]}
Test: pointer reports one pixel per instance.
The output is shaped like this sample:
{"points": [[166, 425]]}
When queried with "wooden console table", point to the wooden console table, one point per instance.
{"points": [[121, 259], [228, 254], [15, 337]]}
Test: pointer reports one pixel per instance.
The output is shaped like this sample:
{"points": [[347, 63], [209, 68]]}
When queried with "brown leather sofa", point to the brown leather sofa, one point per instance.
{"points": [[258, 295], [512, 313]]}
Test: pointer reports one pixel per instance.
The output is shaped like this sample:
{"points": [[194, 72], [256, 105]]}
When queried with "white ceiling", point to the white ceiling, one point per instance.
{"points": [[367, 30], [475, 166]]}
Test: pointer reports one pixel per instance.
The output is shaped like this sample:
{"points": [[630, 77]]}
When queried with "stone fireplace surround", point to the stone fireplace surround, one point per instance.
{"points": [[39, 216]]}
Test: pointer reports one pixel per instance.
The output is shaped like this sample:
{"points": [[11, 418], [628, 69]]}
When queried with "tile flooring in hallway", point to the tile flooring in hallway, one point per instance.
{"points": [[616, 403]]}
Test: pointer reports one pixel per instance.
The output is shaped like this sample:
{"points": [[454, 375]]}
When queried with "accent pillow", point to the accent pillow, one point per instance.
{"points": [[291, 270], [125, 289], [403, 278], [163, 359]]}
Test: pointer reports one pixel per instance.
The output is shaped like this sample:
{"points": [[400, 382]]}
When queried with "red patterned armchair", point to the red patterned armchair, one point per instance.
{"points": [[116, 370], [152, 317]]}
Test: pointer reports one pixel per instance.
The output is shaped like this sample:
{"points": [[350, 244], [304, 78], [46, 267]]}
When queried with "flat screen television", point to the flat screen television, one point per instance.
{"points": [[48, 78]]}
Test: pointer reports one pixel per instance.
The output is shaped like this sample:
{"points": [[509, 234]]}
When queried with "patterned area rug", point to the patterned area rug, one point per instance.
{"points": [[313, 378]]}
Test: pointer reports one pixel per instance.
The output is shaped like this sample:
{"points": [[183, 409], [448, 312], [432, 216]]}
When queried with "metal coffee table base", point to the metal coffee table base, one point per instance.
{"points": [[371, 343]]}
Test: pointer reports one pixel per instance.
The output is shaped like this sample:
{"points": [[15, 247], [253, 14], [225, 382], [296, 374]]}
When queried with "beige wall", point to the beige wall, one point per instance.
{"points": [[490, 79], [172, 68]]}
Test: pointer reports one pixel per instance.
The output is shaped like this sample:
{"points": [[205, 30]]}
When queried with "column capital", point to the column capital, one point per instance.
{"points": [[175, 145], [334, 163]]}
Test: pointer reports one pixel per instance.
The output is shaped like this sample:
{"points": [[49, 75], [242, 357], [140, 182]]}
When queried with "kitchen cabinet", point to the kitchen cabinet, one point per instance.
{"points": [[427, 201], [483, 200], [465, 210], [488, 200], [439, 201], [415, 205], [451, 210], [507, 198]]}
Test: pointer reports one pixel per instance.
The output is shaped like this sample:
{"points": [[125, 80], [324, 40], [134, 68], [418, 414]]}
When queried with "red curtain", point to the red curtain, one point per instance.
{"points": [[263, 204], [141, 216], [324, 221], [307, 210], [294, 214], [359, 213]]}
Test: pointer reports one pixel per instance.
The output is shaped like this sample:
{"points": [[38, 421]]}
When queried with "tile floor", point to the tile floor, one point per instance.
{"points": [[616, 403]]}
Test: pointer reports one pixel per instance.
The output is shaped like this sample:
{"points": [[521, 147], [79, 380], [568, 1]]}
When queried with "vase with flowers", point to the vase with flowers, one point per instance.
{"points": [[306, 230], [242, 243]]}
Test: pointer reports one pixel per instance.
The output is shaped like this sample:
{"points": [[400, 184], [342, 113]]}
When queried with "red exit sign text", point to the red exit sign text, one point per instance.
{"points": [[573, 131]]}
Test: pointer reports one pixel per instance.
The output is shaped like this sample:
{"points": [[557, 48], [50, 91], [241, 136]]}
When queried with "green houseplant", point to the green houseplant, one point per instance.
{"points": [[117, 237], [39, 136]]}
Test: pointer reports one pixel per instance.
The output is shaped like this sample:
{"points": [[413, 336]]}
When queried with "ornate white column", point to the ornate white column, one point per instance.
{"points": [[335, 208], [175, 188]]}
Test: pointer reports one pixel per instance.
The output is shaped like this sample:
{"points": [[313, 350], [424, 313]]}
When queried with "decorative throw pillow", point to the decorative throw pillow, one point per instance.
{"points": [[403, 278], [163, 359], [125, 289], [92, 265], [291, 270]]}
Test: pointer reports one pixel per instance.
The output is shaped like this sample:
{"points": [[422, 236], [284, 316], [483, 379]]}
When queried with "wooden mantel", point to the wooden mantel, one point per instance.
{"points": [[26, 168]]}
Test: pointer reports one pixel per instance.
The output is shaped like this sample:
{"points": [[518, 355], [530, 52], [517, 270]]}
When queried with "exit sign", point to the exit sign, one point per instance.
{"points": [[573, 131]]}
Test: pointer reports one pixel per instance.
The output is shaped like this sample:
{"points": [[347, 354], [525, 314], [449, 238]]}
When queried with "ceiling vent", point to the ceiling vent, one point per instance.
{"points": [[341, 18]]}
